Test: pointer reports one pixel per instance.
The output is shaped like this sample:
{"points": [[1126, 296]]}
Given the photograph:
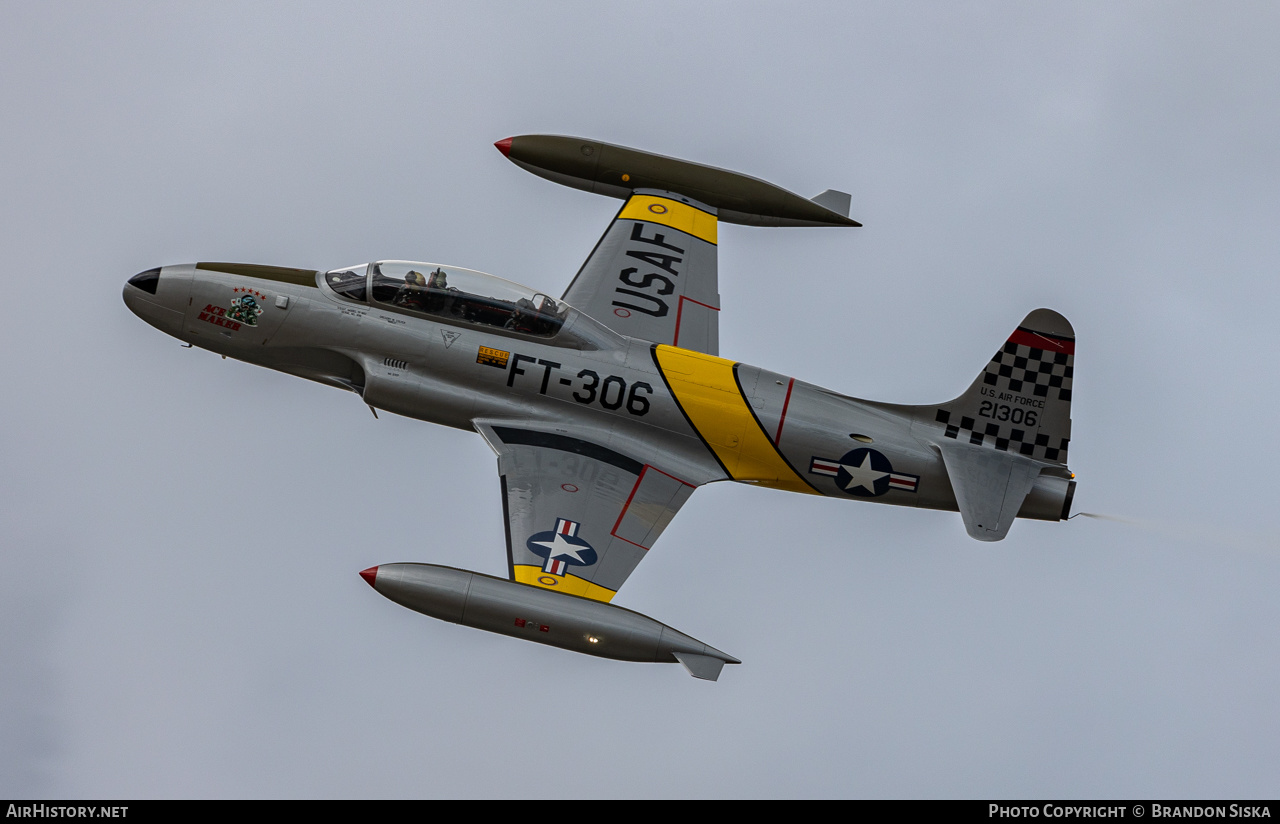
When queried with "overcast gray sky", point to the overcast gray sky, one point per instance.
{"points": [[180, 608]]}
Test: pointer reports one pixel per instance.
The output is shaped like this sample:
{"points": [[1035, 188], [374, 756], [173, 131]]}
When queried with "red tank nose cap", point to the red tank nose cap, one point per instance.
{"points": [[504, 146], [370, 575]]}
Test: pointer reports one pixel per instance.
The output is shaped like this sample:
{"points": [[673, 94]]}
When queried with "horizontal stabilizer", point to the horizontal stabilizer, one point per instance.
{"points": [[837, 202], [701, 666], [990, 486]]}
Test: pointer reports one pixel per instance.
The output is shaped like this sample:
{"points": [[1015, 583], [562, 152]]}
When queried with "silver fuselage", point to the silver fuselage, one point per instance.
{"points": [[639, 399]]}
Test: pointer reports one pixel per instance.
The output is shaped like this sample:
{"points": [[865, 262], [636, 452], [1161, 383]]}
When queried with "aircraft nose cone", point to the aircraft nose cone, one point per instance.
{"points": [[155, 297], [504, 146], [140, 292], [147, 281], [370, 575]]}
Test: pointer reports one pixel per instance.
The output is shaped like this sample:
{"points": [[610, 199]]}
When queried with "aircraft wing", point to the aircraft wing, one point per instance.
{"points": [[653, 273], [579, 515]]}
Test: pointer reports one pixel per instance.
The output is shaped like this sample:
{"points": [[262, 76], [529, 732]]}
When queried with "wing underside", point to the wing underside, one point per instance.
{"points": [[653, 273], [579, 515]]}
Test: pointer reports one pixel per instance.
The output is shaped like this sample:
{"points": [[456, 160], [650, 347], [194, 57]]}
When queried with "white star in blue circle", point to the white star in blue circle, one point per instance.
{"points": [[864, 473]]}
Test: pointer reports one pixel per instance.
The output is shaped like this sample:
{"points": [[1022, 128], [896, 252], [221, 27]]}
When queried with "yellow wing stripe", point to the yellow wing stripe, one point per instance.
{"points": [[572, 584], [707, 391], [673, 213]]}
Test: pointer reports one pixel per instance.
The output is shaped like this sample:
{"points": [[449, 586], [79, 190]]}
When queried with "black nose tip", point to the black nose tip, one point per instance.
{"points": [[147, 281]]}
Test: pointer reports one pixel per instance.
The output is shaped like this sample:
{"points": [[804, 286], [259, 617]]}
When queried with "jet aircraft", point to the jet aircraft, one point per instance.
{"points": [[609, 405]]}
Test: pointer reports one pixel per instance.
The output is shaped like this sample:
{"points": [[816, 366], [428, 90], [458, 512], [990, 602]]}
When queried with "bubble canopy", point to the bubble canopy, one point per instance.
{"points": [[451, 293]]}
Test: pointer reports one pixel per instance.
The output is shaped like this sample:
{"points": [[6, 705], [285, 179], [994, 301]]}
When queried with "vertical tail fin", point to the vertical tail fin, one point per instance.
{"points": [[1021, 402], [1004, 441]]}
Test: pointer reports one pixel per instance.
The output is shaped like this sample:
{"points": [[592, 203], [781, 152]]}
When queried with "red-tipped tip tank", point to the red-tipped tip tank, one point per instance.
{"points": [[370, 575], [544, 617], [617, 171]]}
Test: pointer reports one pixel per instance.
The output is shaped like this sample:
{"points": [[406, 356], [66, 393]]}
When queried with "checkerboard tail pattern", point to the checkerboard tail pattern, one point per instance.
{"points": [[1021, 402]]}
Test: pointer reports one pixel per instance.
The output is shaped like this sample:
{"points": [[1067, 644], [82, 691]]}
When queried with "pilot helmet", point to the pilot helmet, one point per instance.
{"points": [[415, 278]]}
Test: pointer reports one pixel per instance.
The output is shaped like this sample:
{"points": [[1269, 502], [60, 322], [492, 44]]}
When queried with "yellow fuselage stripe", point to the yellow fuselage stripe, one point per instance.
{"points": [[709, 395], [572, 584], [673, 213]]}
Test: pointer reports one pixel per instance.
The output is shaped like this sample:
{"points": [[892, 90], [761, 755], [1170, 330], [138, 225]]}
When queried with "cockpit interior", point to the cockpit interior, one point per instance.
{"points": [[450, 293]]}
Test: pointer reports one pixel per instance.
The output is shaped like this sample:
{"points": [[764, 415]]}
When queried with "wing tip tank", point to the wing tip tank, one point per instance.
{"points": [[617, 171], [542, 616]]}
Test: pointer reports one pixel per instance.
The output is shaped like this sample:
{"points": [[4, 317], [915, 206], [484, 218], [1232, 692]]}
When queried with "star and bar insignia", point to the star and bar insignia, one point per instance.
{"points": [[562, 548], [865, 473]]}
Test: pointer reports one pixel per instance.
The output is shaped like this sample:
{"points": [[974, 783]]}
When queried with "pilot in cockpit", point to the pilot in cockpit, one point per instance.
{"points": [[413, 295], [439, 294], [531, 315]]}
